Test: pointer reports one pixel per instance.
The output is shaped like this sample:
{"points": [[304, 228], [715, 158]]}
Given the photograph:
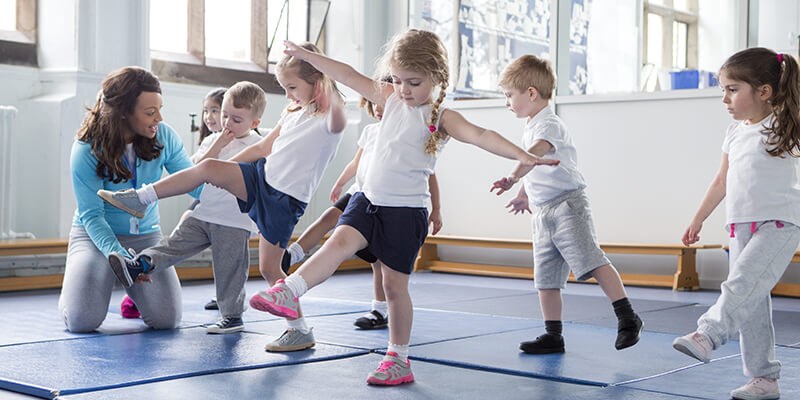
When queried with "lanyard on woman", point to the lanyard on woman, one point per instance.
{"points": [[134, 222]]}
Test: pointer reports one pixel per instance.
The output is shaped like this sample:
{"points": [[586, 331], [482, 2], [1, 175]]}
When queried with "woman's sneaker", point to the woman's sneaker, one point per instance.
{"points": [[391, 371], [372, 320], [758, 389], [277, 300], [226, 325], [696, 345], [125, 200], [292, 340]]}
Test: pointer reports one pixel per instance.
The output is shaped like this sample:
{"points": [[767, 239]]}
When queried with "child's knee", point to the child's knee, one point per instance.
{"points": [[81, 321]]}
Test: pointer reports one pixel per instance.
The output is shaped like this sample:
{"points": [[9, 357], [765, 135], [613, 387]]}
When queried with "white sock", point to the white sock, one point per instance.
{"points": [[400, 349], [296, 284], [296, 252], [298, 324], [147, 194], [381, 307]]}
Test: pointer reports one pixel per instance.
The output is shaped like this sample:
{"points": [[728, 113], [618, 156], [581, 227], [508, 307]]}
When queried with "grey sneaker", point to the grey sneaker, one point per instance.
{"points": [[226, 325], [125, 269], [292, 340], [758, 389], [125, 200]]}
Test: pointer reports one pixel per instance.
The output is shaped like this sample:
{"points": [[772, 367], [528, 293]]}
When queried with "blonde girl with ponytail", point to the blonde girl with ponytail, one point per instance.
{"points": [[388, 217]]}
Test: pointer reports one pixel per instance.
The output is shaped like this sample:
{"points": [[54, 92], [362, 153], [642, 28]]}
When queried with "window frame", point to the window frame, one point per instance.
{"points": [[18, 47], [670, 15]]}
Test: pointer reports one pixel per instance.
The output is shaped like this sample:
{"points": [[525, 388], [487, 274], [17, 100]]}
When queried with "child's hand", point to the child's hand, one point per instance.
{"points": [[225, 137], [504, 184], [436, 219], [518, 205], [293, 50], [692, 234], [336, 192], [141, 278]]}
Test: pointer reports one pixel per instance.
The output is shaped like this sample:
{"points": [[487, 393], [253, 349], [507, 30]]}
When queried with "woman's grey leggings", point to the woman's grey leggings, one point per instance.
{"points": [[88, 282]]}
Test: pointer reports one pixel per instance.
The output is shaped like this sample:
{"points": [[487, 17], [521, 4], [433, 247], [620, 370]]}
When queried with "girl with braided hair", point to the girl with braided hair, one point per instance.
{"points": [[388, 216]]}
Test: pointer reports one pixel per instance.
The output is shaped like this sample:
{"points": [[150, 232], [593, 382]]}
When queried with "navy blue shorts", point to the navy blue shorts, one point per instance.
{"points": [[394, 234], [363, 254], [274, 212]]}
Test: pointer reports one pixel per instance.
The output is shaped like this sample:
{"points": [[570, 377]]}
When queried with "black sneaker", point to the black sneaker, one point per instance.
{"points": [[544, 344], [211, 305], [226, 325], [628, 330], [286, 262], [372, 320], [125, 269]]}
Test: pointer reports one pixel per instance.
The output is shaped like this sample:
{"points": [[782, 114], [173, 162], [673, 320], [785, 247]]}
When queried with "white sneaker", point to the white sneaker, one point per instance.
{"points": [[696, 345], [758, 389]]}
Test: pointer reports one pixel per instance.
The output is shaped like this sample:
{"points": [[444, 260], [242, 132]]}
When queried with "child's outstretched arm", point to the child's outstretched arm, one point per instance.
{"points": [[348, 173], [539, 149], [714, 196], [341, 72], [455, 125], [259, 149]]}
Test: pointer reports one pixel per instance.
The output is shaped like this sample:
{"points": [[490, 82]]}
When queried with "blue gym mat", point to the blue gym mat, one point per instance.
{"points": [[590, 358], [345, 379], [717, 379], [46, 325], [576, 307], [430, 326], [423, 294], [74, 366]]}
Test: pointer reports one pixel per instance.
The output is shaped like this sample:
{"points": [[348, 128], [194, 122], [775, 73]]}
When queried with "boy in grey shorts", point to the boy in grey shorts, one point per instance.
{"points": [[563, 232]]}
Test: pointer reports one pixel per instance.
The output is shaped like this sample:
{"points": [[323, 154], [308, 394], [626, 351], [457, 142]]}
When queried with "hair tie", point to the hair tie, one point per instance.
{"points": [[431, 128], [780, 58]]}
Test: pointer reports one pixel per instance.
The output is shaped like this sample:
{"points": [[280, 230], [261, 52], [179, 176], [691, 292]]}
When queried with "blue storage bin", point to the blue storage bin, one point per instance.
{"points": [[686, 79]]}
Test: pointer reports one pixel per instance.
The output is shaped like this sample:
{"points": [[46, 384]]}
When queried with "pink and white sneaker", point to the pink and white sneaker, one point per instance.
{"points": [[696, 345], [758, 389], [391, 371], [277, 300]]}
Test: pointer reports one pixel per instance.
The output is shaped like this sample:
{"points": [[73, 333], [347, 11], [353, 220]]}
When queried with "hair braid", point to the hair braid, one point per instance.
{"points": [[436, 138]]}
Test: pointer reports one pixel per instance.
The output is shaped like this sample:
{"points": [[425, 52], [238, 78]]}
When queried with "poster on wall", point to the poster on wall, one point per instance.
{"points": [[485, 35]]}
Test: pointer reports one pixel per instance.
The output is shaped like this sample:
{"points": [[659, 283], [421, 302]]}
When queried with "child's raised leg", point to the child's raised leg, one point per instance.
{"points": [[378, 317], [551, 342], [395, 368], [629, 325]]}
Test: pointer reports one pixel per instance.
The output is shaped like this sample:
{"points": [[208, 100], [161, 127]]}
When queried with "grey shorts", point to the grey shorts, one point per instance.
{"points": [[564, 240]]}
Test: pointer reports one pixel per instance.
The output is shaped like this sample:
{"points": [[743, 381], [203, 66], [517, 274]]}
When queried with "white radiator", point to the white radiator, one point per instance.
{"points": [[8, 116]]}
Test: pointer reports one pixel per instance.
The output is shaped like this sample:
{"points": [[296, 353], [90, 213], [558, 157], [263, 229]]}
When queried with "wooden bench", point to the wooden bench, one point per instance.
{"points": [[685, 277], [191, 270]]}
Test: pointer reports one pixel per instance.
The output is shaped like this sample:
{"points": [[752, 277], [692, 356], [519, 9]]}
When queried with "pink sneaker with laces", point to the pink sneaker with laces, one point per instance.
{"points": [[128, 308], [391, 371], [696, 344], [277, 300], [758, 389]]}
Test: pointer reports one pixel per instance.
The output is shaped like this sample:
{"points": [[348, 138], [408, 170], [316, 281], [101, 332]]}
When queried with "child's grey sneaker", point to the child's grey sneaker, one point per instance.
{"points": [[125, 200], [125, 269], [226, 325], [758, 389], [292, 340]]}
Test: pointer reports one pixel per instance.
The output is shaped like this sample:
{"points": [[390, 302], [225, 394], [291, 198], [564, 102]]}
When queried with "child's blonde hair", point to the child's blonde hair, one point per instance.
{"points": [[246, 94], [312, 76], [421, 51], [530, 71]]}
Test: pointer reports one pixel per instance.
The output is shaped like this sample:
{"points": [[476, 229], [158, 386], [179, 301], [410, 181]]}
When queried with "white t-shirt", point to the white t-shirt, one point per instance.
{"points": [[300, 154], [760, 187], [217, 206], [366, 142], [546, 183], [399, 167]]}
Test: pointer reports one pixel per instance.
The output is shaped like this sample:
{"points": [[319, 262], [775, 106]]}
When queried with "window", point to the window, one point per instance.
{"points": [[221, 42], [670, 28], [18, 32]]}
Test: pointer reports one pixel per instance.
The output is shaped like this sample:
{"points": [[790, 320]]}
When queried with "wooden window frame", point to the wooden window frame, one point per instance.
{"points": [[18, 47]]}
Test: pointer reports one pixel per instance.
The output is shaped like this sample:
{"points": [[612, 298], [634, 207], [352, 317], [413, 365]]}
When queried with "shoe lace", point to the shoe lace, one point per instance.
{"points": [[386, 365]]}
